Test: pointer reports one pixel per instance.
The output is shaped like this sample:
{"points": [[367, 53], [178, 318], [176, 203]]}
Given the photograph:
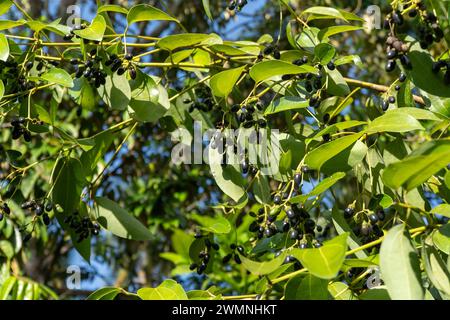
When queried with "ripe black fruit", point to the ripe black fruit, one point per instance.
{"points": [[297, 179], [391, 99], [227, 258], [373, 218], [390, 65], [402, 77], [5, 208], [128, 56], [293, 235], [277, 199], [237, 259], [193, 266], [331, 66], [39, 210], [381, 215], [349, 212], [46, 219]]}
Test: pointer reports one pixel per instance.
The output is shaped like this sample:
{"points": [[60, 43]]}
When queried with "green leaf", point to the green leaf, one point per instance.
{"points": [[4, 47], [325, 52], [342, 227], [422, 75], [436, 268], [118, 221], [116, 93], [83, 94], [399, 266], [336, 84], [106, 293], [326, 261], [261, 189], [331, 31], [306, 288], [394, 122], [417, 167], [168, 290], [417, 113], [227, 177], [263, 268], [95, 31], [207, 9], [268, 69], [101, 143], [324, 11], [377, 293], [68, 179], [9, 24], [145, 12], [6, 249], [286, 103], [112, 8], [183, 40], [7, 287], [2, 89], [442, 209], [317, 157], [340, 291], [327, 183], [58, 76], [4, 6], [147, 99], [441, 238], [222, 83], [217, 224]]}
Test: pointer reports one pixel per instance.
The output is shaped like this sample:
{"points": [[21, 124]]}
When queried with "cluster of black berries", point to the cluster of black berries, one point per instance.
{"points": [[71, 33], [443, 64], [205, 100], [234, 255], [205, 255], [4, 209], [19, 129], [397, 50], [312, 82], [237, 5], [298, 177], [270, 50], [250, 115], [82, 226], [429, 31], [122, 65], [391, 99], [40, 209], [366, 226], [90, 69]]}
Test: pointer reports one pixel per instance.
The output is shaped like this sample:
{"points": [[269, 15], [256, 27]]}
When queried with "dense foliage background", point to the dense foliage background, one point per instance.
{"points": [[87, 180]]}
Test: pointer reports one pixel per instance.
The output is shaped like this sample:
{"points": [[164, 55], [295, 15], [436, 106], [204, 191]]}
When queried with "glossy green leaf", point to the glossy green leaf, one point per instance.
{"points": [[263, 268], [217, 224], [9, 24], [184, 40], [394, 122], [4, 47], [94, 31], [227, 177], [442, 209], [286, 103], [420, 165], [5, 5], [207, 8], [268, 69], [399, 266], [106, 293], [58, 76], [331, 31], [324, 52], [145, 12], [168, 290], [112, 8], [317, 157], [436, 268], [441, 238], [118, 221], [327, 183], [222, 83], [306, 288], [326, 261], [116, 93]]}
